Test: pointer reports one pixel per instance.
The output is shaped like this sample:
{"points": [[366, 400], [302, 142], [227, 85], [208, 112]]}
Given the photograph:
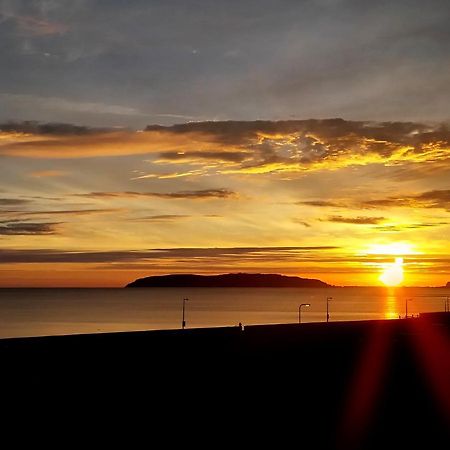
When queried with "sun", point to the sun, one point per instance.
{"points": [[393, 273]]}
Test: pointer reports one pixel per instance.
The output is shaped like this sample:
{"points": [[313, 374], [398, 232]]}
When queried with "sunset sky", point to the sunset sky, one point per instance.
{"points": [[307, 138]]}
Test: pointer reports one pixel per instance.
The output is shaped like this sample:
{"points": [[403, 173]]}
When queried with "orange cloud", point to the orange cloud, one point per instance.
{"points": [[240, 147]]}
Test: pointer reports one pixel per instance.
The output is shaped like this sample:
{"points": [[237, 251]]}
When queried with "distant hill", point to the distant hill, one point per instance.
{"points": [[448, 284], [227, 280]]}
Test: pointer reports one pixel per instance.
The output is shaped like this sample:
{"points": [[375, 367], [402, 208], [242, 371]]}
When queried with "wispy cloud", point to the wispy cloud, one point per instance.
{"points": [[62, 105], [162, 218], [27, 228], [428, 199], [191, 195], [322, 204], [225, 253], [360, 220], [62, 212], [13, 202], [170, 175], [409, 226]]}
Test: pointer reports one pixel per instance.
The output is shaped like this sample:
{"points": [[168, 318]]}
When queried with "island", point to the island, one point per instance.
{"points": [[448, 284], [239, 280]]}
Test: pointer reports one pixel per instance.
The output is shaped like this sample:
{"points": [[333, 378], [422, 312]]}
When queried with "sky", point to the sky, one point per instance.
{"points": [[308, 138]]}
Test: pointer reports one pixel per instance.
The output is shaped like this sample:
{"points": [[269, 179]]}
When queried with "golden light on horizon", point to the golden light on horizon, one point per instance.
{"points": [[393, 273]]}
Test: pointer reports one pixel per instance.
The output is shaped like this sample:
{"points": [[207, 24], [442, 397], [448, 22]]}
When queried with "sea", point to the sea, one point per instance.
{"points": [[41, 312]]}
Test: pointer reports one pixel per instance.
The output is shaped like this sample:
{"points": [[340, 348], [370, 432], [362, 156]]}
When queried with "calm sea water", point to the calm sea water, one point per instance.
{"points": [[35, 312]]}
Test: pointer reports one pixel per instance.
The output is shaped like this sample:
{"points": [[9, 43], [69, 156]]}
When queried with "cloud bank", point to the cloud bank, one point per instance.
{"points": [[240, 147]]}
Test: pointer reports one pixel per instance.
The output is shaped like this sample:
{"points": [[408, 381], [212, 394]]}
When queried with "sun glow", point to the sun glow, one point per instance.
{"points": [[393, 273], [393, 248]]}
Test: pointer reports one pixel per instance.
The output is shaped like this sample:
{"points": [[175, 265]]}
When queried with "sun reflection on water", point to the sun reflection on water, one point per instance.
{"points": [[391, 305]]}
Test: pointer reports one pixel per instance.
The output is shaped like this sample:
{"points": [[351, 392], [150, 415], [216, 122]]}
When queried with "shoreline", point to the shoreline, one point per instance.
{"points": [[436, 317], [175, 330]]}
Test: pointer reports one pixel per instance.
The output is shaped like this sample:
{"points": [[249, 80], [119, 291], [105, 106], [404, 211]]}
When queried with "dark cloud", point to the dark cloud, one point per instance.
{"points": [[225, 156], [162, 218], [13, 202], [301, 222], [57, 129], [14, 228], [192, 195], [322, 204], [360, 220], [244, 132]]}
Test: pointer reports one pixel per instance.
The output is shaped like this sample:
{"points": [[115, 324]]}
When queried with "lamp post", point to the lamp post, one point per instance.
{"points": [[328, 308], [183, 323], [300, 311], [406, 306]]}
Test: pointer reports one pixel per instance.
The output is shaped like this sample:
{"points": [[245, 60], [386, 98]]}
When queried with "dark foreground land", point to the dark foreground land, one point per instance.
{"points": [[377, 384]]}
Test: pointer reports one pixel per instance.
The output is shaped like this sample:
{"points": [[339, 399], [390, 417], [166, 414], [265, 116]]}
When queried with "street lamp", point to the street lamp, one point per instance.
{"points": [[328, 308], [406, 306], [300, 311], [183, 323]]}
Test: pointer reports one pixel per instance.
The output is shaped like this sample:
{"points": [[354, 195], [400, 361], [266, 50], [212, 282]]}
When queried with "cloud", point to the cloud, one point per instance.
{"points": [[280, 65], [169, 254], [428, 199], [301, 222], [162, 218], [191, 195], [69, 212], [246, 147], [225, 156], [31, 127], [14, 228], [68, 105], [169, 175], [360, 220], [408, 227], [13, 202], [322, 204], [171, 217]]}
